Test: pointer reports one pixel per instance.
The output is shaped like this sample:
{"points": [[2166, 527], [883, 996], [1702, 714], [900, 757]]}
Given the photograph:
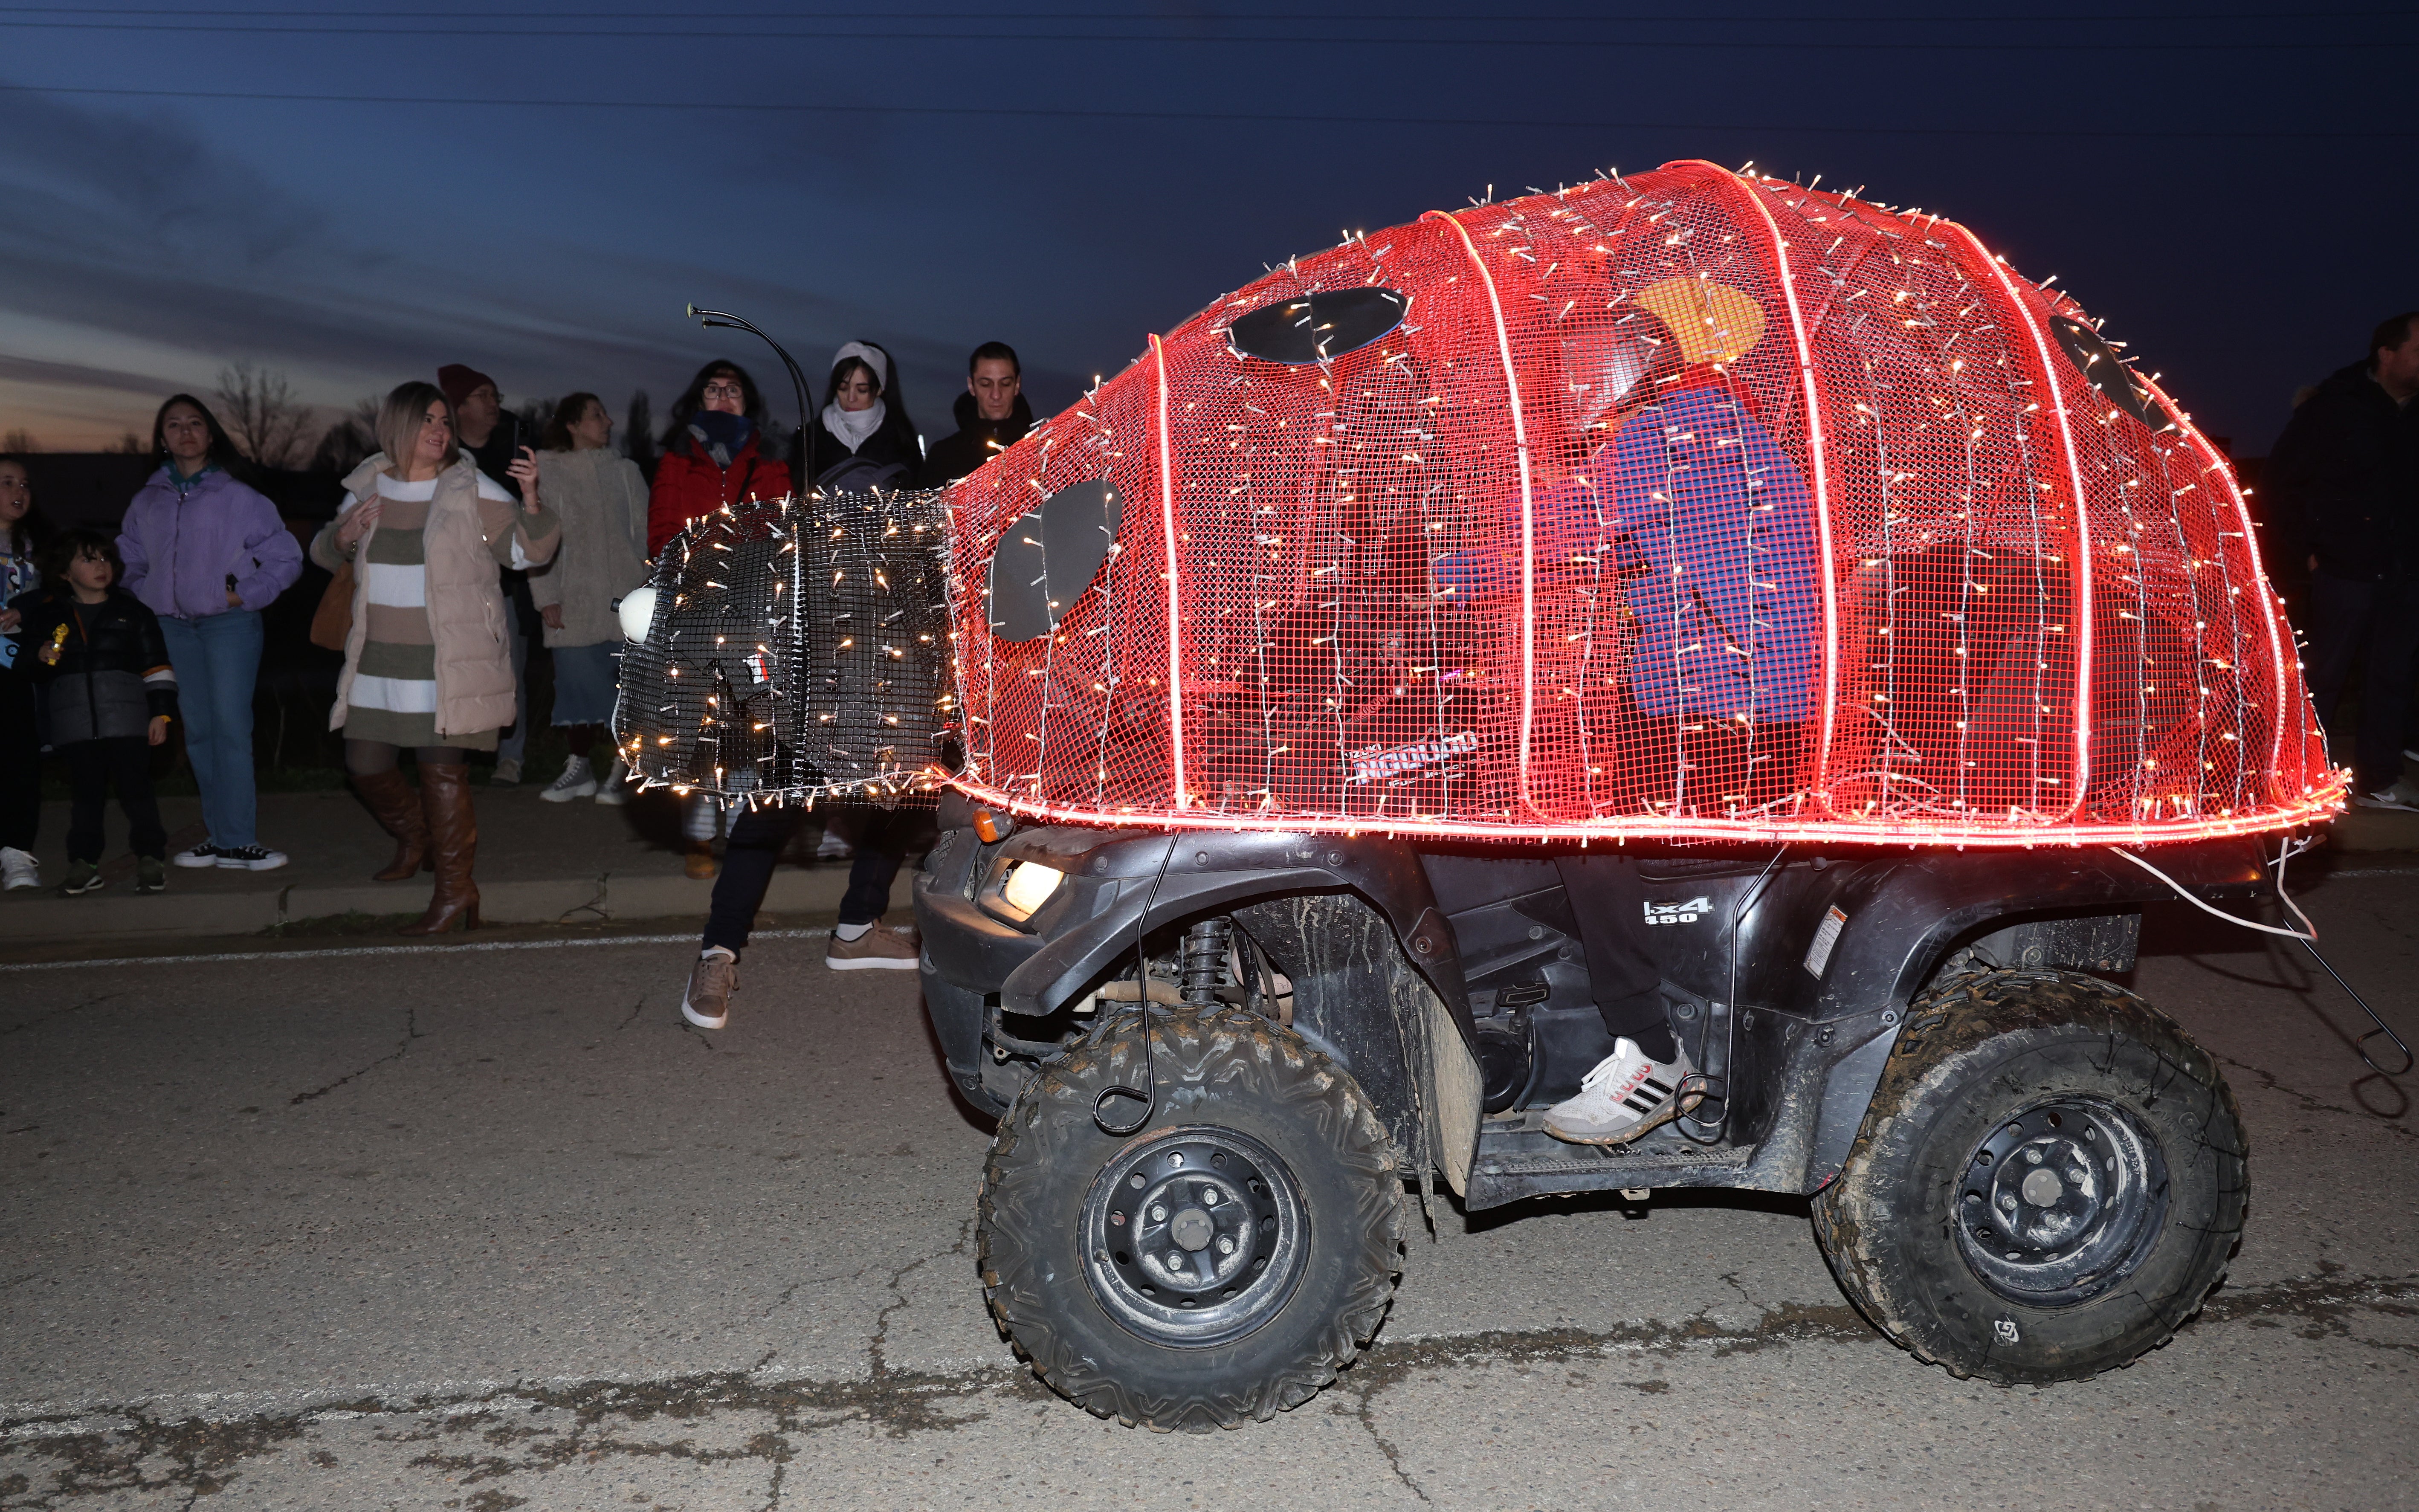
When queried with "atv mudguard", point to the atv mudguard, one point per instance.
{"points": [[1407, 945]]}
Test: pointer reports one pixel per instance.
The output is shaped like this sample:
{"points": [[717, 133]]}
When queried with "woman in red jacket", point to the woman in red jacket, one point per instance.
{"points": [[714, 453]]}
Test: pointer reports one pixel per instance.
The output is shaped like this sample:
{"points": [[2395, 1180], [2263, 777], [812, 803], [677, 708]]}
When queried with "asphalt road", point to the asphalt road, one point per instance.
{"points": [[445, 1228]]}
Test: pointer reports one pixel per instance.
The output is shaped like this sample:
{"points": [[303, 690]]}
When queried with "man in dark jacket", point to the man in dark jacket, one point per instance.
{"points": [[492, 435], [2348, 466], [991, 414]]}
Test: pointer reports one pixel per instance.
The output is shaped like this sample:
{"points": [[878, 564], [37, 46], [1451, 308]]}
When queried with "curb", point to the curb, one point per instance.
{"points": [[592, 900]]}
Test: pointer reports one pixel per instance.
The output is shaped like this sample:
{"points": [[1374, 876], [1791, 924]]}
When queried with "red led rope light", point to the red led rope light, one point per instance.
{"points": [[1339, 641]]}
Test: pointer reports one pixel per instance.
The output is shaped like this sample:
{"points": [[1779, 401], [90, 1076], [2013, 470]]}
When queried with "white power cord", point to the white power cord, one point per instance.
{"points": [[2284, 853]]}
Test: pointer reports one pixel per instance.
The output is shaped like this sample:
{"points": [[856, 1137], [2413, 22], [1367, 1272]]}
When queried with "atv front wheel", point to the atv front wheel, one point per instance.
{"points": [[1215, 1267], [2049, 1180]]}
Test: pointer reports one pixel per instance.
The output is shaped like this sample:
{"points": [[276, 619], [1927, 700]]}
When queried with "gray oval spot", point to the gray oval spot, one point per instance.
{"points": [[1318, 328], [1050, 556], [2101, 368]]}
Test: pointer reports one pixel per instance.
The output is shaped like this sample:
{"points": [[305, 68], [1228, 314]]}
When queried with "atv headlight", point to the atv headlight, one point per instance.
{"points": [[1027, 885]]}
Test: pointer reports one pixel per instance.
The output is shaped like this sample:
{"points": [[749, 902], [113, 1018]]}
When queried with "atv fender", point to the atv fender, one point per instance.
{"points": [[1903, 918]]}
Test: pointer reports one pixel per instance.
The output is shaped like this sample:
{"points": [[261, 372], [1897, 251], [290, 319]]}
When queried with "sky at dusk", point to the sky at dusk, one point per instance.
{"points": [[353, 193]]}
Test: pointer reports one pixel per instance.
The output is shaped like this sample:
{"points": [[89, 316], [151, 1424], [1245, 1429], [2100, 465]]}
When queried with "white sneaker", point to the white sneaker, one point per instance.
{"points": [[578, 781], [1623, 1097], [2399, 796], [17, 868], [831, 847], [203, 854], [507, 772], [613, 788]]}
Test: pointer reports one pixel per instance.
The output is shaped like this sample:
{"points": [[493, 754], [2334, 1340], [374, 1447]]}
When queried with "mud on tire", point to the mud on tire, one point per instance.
{"points": [[2007, 1087], [1277, 1246]]}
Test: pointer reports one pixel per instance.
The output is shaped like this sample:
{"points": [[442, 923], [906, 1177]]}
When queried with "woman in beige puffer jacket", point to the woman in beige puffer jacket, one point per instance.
{"points": [[427, 662], [601, 499]]}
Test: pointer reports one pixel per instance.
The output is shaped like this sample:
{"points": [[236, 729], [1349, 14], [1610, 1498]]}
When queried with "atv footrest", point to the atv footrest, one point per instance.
{"points": [[1516, 1162]]}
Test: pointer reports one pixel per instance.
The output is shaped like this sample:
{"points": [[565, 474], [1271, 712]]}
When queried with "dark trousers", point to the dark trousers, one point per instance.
{"points": [[881, 837], [1623, 972], [20, 761], [2350, 621], [94, 766]]}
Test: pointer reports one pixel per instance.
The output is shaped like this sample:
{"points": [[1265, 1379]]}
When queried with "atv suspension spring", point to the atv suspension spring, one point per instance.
{"points": [[1205, 962]]}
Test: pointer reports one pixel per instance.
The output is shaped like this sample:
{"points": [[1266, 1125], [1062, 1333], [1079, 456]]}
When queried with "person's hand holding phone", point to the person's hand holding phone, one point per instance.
{"points": [[524, 472]]}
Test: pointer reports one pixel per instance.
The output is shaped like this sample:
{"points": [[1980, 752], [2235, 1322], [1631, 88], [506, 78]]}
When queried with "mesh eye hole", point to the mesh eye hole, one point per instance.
{"points": [[2099, 365], [1048, 557], [1318, 328]]}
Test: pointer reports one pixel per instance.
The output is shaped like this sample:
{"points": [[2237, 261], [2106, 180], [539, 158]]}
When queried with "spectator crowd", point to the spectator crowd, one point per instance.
{"points": [[469, 534]]}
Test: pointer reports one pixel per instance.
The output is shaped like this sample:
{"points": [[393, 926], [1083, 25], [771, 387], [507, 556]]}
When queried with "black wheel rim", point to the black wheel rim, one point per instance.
{"points": [[1195, 1236], [2061, 1202]]}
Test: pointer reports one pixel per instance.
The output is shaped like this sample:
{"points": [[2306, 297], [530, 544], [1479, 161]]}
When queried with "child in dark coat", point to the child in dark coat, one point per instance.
{"points": [[102, 669]]}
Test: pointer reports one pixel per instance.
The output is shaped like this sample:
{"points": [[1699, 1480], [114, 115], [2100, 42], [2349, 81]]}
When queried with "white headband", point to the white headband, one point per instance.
{"points": [[870, 358]]}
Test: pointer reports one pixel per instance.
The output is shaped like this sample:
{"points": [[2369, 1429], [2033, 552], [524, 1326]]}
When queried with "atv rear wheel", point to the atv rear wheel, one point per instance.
{"points": [[1217, 1267], [2050, 1180]]}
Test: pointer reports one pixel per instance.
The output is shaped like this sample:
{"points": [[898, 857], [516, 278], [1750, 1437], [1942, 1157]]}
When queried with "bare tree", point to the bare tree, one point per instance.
{"points": [[261, 412], [130, 444], [20, 441], [348, 441]]}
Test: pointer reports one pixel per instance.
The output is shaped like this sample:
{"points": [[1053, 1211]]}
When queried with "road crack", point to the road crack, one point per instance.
{"points": [[57, 1013], [147, 1451], [411, 1032]]}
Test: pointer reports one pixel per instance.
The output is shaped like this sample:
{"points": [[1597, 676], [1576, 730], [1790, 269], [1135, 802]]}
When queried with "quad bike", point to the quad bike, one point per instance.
{"points": [[2019, 1169], [1789, 545], [1793, 547]]}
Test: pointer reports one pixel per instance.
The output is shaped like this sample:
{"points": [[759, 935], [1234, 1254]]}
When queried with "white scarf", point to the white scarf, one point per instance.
{"points": [[854, 427]]}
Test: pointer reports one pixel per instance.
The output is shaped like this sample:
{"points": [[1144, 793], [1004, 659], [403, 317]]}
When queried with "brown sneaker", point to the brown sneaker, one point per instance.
{"points": [[700, 860], [711, 982], [876, 950]]}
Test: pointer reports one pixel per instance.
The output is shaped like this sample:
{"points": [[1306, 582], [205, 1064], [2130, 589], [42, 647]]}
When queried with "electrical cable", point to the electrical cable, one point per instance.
{"points": [[2286, 852], [1238, 117], [2216, 913], [1563, 44], [1148, 1092]]}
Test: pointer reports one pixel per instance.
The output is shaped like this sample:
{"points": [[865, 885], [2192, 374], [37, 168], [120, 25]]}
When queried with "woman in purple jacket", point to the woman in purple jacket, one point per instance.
{"points": [[209, 553]]}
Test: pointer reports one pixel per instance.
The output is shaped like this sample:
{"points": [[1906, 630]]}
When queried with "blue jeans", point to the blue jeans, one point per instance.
{"points": [[217, 660]]}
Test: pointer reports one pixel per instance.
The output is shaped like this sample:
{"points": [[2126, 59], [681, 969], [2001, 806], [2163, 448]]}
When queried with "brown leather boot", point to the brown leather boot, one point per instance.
{"points": [[453, 837], [396, 808]]}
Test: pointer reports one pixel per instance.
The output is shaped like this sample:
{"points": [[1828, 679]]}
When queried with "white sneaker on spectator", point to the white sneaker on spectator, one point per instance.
{"points": [[578, 781], [831, 847], [613, 788], [1624, 1096], [2400, 796], [249, 858], [507, 772], [205, 854], [17, 868]]}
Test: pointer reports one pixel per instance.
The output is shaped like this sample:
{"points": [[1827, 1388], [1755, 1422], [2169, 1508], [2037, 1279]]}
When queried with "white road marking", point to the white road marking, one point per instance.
{"points": [[398, 950]]}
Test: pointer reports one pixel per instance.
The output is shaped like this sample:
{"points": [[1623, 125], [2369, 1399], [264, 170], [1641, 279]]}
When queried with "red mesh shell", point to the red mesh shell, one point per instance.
{"points": [[1681, 505]]}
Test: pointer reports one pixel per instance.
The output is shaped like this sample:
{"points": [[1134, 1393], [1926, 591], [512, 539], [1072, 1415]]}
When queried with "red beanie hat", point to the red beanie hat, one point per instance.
{"points": [[457, 381]]}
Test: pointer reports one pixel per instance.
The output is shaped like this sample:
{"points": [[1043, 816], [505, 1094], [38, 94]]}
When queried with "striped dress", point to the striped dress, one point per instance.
{"points": [[393, 696]]}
